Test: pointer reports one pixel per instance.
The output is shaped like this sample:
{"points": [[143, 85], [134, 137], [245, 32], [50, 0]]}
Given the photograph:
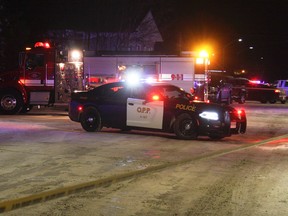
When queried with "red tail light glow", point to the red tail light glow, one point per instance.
{"points": [[155, 97], [42, 44], [80, 108]]}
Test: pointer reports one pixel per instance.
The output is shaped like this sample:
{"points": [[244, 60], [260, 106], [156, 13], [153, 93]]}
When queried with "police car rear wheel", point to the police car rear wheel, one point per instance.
{"points": [[91, 120], [185, 127]]}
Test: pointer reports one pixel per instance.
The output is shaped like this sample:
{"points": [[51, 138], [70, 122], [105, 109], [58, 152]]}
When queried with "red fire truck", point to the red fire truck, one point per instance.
{"points": [[45, 76]]}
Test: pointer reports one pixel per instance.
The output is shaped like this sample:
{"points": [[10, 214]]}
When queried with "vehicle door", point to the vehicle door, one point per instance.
{"points": [[113, 105], [145, 108], [33, 69]]}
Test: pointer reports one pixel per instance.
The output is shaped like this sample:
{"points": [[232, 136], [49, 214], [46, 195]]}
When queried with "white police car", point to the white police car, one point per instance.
{"points": [[162, 107]]}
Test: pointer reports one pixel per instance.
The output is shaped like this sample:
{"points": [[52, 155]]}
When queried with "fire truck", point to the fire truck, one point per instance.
{"points": [[180, 70], [47, 76], [176, 70]]}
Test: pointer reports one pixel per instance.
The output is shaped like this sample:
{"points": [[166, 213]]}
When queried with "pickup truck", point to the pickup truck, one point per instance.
{"points": [[282, 85], [265, 93], [244, 89]]}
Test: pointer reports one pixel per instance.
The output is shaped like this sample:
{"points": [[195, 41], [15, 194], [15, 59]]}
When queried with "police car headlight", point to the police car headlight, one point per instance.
{"points": [[209, 115]]}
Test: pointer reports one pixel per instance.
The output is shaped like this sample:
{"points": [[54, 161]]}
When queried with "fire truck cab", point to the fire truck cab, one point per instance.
{"points": [[45, 76]]}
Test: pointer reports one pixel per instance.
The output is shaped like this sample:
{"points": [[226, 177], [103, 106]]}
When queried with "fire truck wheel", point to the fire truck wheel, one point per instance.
{"points": [[91, 120], [185, 127], [10, 102]]}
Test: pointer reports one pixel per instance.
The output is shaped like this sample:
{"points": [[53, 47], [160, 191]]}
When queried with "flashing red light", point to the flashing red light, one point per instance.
{"points": [[254, 81], [94, 80], [21, 81], [240, 113], [42, 44], [80, 108], [155, 97]]}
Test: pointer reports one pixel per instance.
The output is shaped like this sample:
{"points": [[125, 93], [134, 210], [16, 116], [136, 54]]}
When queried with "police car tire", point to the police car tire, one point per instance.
{"points": [[180, 124], [91, 120]]}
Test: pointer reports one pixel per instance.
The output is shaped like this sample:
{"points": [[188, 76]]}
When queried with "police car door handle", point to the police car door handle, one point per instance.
{"points": [[131, 104]]}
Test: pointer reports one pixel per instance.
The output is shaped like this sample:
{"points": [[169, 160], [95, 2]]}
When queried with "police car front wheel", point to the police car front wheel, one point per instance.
{"points": [[185, 127], [91, 120]]}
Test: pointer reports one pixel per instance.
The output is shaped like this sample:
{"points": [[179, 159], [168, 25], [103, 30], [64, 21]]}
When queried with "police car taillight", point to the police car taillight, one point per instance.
{"points": [[240, 113]]}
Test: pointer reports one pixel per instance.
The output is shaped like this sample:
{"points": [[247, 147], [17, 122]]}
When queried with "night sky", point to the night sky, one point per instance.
{"points": [[261, 24]]}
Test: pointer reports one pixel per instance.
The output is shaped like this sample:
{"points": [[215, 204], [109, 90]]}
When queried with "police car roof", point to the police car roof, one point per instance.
{"points": [[164, 84]]}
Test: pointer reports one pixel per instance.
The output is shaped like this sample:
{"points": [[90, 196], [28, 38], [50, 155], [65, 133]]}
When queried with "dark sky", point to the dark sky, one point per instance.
{"points": [[262, 24]]}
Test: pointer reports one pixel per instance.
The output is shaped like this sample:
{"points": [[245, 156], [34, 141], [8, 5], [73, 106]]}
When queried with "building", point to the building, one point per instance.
{"points": [[142, 37]]}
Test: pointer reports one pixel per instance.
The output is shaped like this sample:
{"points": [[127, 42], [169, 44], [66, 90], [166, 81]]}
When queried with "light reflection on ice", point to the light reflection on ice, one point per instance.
{"points": [[280, 144]]}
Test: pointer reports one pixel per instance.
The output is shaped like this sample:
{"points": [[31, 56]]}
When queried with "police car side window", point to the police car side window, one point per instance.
{"points": [[139, 93], [112, 91], [173, 93], [118, 92]]}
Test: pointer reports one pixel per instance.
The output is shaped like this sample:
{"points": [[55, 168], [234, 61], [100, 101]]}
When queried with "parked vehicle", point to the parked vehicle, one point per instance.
{"points": [[162, 107], [244, 89], [47, 75], [226, 89], [282, 85], [263, 92]]}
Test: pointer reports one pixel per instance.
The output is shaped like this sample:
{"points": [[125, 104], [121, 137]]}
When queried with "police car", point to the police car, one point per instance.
{"points": [[161, 107]]}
